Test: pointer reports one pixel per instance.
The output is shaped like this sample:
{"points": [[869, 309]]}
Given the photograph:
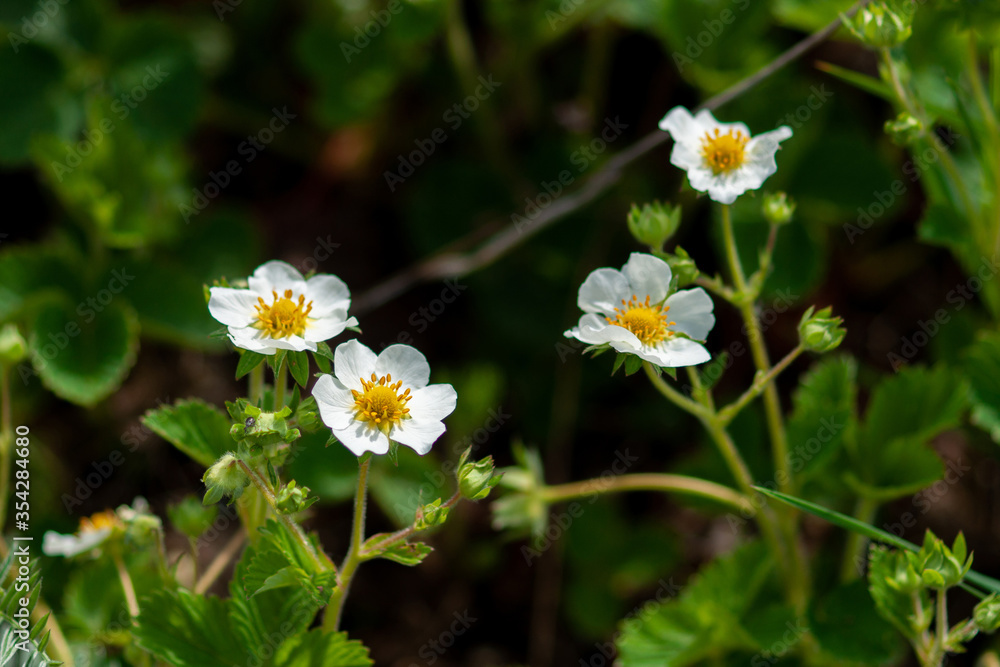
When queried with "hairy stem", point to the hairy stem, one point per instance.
{"points": [[691, 486], [331, 621]]}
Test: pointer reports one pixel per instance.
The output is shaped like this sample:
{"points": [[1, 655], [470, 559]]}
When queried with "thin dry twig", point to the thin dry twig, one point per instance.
{"points": [[450, 264]]}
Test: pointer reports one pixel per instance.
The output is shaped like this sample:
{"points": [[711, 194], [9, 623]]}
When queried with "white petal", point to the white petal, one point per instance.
{"points": [[602, 291], [708, 124], [701, 178], [359, 438], [686, 156], [594, 330], [293, 343], [335, 402], [647, 276], [418, 435], [433, 402], [249, 338], [675, 352], [56, 544], [327, 294], [276, 276], [725, 188], [351, 362], [404, 363], [692, 311], [232, 307], [325, 328], [681, 125]]}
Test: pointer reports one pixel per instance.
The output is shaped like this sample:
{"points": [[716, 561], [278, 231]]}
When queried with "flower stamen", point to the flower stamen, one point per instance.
{"points": [[648, 322], [100, 521], [381, 404], [724, 153], [283, 317]]}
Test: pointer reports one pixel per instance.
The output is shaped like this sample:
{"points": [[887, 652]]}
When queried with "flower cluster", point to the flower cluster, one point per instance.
{"points": [[369, 400]]}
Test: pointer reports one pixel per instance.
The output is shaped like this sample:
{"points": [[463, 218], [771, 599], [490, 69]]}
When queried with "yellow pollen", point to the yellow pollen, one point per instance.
{"points": [[648, 322], [100, 521], [381, 404], [283, 317], [724, 152]]}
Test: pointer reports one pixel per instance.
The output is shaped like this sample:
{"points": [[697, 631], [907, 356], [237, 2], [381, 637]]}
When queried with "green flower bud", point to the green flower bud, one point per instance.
{"points": [[986, 615], [682, 266], [224, 478], [430, 515], [778, 209], [292, 498], [881, 25], [192, 517], [475, 480], [904, 130], [12, 346], [654, 223], [820, 331]]}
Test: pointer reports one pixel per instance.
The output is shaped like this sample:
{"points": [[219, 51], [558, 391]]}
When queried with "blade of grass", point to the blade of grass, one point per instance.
{"points": [[877, 534]]}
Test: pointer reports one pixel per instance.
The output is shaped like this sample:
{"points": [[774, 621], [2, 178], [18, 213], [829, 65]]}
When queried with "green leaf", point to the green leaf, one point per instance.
{"points": [[981, 365], [850, 523], [407, 553], [83, 354], [36, 74], [249, 360], [30, 273], [280, 561], [193, 426], [298, 365], [847, 626], [319, 647], [894, 605], [705, 620], [632, 364], [905, 412], [823, 414], [188, 630]]}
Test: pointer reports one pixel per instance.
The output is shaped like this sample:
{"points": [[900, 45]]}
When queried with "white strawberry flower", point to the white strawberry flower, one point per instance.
{"points": [[280, 309], [372, 399], [721, 159], [630, 311]]}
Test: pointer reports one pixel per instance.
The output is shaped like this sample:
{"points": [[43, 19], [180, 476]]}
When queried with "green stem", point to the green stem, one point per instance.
{"points": [[941, 625], [682, 484], [280, 380], [772, 404], [6, 442], [334, 610], [864, 511], [377, 546], [256, 385], [322, 563], [674, 396], [728, 413], [126, 581], [989, 117]]}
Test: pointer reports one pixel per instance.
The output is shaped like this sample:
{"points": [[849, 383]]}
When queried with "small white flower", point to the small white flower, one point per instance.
{"points": [[94, 530], [721, 158], [630, 311], [375, 399], [282, 310]]}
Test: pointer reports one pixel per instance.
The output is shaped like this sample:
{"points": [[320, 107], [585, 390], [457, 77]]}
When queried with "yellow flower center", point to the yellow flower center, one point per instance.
{"points": [[724, 152], [649, 323], [100, 521], [283, 317], [381, 404]]}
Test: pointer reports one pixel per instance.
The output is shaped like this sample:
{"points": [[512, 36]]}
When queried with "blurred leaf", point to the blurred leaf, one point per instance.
{"points": [[407, 553], [188, 630], [981, 365], [331, 472], [29, 273], [823, 414], [847, 626], [79, 359], [36, 74], [905, 412], [705, 620], [193, 426], [417, 480]]}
